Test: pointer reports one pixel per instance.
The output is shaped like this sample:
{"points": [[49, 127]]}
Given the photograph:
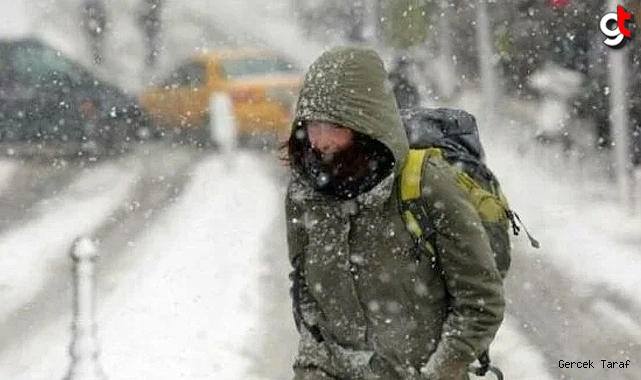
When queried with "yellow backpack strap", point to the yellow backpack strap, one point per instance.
{"points": [[414, 213], [411, 174], [434, 153]]}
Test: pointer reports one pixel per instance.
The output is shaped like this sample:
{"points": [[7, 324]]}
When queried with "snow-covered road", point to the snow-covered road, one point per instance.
{"points": [[183, 298]]}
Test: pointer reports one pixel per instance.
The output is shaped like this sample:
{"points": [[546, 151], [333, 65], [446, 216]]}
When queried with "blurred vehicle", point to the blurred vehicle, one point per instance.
{"points": [[48, 98], [262, 85]]}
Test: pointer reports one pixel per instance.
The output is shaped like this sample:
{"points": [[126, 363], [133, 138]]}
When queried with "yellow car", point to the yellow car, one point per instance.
{"points": [[262, 85]]}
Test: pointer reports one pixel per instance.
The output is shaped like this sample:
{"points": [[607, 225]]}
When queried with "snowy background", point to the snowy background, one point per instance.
{"points": [[192, 273]]}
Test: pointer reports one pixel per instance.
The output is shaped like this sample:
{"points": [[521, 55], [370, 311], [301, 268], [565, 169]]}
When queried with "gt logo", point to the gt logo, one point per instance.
{"points": [[616, 26]]}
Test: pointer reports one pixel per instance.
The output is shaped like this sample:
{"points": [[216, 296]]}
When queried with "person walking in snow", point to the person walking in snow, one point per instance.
{"points": [[149, 20], [368, 302], [94, 20]]}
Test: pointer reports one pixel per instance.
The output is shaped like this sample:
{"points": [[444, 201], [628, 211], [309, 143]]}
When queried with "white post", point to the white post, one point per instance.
{"points": [[619, 121], [486, 57], [84, 346], [222, 124]]}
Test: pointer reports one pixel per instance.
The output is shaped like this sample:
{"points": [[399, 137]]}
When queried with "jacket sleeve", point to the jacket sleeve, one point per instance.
{"points": [[296, 233], [473, 283], [304, 306]]}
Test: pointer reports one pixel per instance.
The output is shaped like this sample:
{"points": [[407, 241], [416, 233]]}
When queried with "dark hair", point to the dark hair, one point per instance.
{"points": [[290, 150], [283, 152]]}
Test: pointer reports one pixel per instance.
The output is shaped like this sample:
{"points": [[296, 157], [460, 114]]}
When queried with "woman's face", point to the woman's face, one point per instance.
{"points": [[329, 139]]}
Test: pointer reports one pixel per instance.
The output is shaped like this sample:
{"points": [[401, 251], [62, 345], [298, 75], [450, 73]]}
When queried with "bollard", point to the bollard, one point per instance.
{"points": [[223, 126], [84, 346]]}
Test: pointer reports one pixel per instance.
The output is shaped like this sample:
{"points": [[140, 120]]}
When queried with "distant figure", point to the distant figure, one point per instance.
{"points": [[94, 20], [405, 91], [149, 20]]}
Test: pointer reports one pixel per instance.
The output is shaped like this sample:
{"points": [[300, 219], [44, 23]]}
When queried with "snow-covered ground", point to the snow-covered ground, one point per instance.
{"points": [[79, 210], [187, 308]]}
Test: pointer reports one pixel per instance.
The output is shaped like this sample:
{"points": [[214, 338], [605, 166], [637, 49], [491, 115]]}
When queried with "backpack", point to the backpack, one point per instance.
{"points": [[452, 135]]}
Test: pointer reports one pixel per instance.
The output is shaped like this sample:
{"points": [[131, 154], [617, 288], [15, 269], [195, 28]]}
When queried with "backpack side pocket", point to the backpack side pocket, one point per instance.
{"points": [[491, 207]]}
